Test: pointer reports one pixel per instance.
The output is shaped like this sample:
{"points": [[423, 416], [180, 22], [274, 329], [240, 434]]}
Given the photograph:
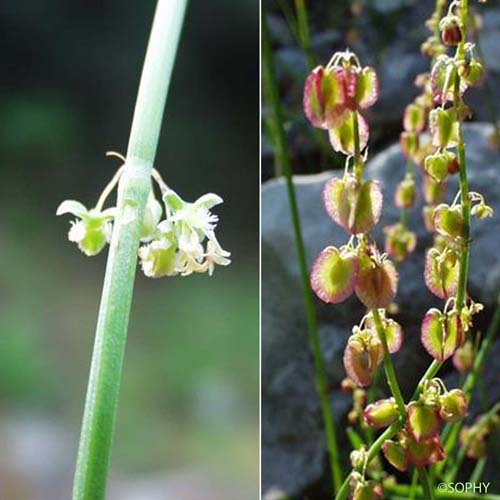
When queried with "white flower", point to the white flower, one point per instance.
{"points": [[93, 229], [216, 255], [186, 227], [152, 216], [159, 258], [195, 215]]}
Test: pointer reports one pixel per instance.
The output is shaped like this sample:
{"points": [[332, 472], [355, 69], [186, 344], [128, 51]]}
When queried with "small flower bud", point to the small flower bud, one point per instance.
{"points": [[443, 77], [441, 164], [347, 385], [432, 47], [152, 217], [451, 30], [409, 143], [422, 421], [405, 194], [463, 359], [353, 417], [414, 118], [444, 127], [482, 211], [428, 217], [158, 258], [359, 397], [358, 458], [334, 274], [474, 441], [396, 455], [400, 242], [472, 72], [449, 221], [453, 406], [382, 413], [362, 356], [434, 192], [367, 491]]}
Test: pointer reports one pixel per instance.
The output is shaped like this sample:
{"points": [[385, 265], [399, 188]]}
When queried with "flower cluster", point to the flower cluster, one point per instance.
{"points": [[183, 243], [418, 443], [334, 97], [365, 351], [443, 332]]}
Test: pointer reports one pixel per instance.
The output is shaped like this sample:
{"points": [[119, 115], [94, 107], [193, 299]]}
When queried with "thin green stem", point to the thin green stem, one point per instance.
{"points": [[133, 190], [426, 484], [456, 464], [464, 193], [358, 164], [389, 367], [414, 484], [303, 32], [478, 471], [272, 94]]}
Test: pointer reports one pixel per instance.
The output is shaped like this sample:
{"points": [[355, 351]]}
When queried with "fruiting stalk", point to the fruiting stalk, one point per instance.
{"points": [[271, 92]]}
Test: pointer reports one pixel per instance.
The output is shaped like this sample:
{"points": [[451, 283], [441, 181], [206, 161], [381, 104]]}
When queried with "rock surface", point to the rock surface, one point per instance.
{"points": [[294, 456]]}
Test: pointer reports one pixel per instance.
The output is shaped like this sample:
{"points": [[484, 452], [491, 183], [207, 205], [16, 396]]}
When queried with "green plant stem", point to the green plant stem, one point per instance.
{"points": [[414, 484], [456, 464], [426, 484], [133, 190], [303, 32], [464, 193], [281, 146], [358, 164], [389, 367], [477, 473], [463, 181]]}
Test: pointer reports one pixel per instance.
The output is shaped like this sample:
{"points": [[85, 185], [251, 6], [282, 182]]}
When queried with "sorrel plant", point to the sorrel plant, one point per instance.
{"points": [[335, 97]]}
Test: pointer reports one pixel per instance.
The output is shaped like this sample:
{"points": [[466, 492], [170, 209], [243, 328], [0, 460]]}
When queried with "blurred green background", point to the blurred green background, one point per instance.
{"points": [[189, 403]]}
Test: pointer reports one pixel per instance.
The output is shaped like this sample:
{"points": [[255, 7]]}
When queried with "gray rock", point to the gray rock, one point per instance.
{"points": [[294, 455]]}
